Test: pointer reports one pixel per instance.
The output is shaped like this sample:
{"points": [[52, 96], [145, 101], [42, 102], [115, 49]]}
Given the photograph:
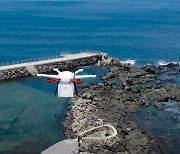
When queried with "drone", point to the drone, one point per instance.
{"points": [[66, 81]]}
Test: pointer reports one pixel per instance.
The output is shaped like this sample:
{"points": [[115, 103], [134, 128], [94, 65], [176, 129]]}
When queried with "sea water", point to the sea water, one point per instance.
{"points": [[145, 32], [30, 116], [161, 126]]}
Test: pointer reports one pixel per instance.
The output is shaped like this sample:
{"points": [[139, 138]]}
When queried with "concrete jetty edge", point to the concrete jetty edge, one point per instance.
{"points": [[65, 62]]}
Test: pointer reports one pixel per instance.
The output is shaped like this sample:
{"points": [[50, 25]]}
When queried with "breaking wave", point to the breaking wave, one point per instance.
{"points": [[162, 63], [129, 61]]}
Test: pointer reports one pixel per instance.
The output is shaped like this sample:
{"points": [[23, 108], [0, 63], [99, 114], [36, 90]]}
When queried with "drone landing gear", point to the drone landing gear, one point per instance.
{"points": [[75, 87], [56, 88]]}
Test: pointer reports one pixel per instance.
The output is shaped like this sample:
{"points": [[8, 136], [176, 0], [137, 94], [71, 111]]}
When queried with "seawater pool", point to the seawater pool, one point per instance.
{"points": [[30, 115]]}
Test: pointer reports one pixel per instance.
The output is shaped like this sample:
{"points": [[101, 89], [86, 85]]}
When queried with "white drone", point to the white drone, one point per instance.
{"points": [[66, 81]]}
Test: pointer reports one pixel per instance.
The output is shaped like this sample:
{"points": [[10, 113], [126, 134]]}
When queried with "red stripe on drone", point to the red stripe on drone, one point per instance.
{"points": [[53, 80], [58, 80]]}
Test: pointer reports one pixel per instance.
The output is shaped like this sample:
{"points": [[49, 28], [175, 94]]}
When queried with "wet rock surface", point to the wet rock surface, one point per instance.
{"points": [[115, 102]]}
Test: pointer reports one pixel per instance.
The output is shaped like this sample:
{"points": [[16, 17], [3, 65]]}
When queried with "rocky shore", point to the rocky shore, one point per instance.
{"points": [[121, 93]]}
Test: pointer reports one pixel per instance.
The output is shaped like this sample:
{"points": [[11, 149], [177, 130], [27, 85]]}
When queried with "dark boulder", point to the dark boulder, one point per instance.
{"points": [[108, 75], [149, 69], [172, 65]]}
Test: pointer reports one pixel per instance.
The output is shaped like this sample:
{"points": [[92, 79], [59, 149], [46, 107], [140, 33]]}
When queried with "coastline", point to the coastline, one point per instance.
{"points": [[115, 102]]}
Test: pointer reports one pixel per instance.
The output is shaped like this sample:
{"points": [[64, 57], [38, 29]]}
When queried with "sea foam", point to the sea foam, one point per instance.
{"points": [[129, 61], [162, 63]]}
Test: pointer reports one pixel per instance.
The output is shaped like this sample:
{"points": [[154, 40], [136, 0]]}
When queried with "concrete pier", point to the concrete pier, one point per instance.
{"points": [[95, 135], [64, 62], [67, 146]]}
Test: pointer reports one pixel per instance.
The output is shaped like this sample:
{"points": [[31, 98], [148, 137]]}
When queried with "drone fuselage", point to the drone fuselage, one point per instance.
{"points": [[65, 76]]}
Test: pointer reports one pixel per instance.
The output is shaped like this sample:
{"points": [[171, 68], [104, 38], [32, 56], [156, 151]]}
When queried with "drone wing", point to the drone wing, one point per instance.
{"points": [[56, 70], [47, 75], [78, 71], [84, 76]]}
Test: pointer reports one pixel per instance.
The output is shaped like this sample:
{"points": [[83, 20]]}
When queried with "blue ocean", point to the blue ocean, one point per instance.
{"points": [[147, 31]]}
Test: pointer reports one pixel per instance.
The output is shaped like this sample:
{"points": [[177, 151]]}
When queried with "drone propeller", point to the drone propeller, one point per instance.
{"points": [[53, 80]]}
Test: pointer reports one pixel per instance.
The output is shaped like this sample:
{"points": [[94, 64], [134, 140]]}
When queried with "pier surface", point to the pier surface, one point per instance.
{"points": [[64, 147], [67, 57], [63, 62]]}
